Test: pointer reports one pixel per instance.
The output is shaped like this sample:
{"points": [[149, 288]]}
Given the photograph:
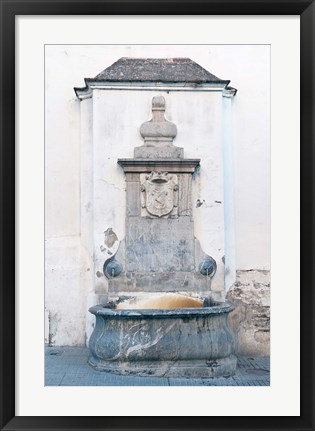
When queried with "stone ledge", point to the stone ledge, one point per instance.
{"points": [[193, 369], [182, 281], [183, 166]]}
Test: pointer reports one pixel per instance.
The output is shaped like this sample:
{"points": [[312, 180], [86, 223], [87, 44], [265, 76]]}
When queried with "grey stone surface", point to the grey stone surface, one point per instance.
{"points": [[159, 245], [158, 135], [133, 177], [167, 152], [159, 195], [173, 72], [158, 130], [181, 166], [133, 195], [191, 342], [157, 69], [160, 282], [70, 368], [170, 369], [184, 195], [133, 198], [133, 282]]}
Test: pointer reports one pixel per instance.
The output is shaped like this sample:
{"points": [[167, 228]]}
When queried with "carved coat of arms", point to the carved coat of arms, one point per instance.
{"points": [[159, 193]]}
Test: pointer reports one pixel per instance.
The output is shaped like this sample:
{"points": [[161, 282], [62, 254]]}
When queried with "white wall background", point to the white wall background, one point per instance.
{"points": [[248, 68]]}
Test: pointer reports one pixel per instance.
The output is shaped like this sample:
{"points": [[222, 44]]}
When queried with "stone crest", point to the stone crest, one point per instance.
{"points": [[159, 194]]}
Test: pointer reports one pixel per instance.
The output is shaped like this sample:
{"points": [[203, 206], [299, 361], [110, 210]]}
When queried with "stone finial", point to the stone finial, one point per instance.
{"points": [[158, 104], [158, 134], [158, 131]]}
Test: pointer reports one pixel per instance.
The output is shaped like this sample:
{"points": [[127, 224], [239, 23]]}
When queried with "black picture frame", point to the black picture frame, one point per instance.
{"points": [[9, 10]]}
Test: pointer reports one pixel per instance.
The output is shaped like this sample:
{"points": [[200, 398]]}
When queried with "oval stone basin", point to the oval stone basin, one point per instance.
{"points": [[169, 335], [164, 301]]}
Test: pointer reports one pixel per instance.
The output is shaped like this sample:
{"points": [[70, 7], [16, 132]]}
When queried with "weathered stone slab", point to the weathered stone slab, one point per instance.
{"points": [[170, 369], [133, 198], [159, 245], [184, 192], [132, 177], [166, 152], [160, 282]]}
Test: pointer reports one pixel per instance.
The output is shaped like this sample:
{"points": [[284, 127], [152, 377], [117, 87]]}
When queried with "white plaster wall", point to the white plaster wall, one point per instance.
{"points": [[68, 279], [62, 149], [248, 67], [67, 273]]}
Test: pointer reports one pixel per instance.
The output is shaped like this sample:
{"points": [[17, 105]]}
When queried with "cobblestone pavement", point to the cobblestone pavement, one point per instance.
{"points": [[67, 366]]}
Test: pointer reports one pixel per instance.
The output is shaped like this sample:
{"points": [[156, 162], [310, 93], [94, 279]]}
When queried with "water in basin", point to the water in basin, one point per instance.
{"points": [[161, 301]]}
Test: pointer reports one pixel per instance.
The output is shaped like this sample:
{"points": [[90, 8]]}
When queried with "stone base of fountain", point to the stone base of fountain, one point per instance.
{"points": [[173, 342], [192, 369]]}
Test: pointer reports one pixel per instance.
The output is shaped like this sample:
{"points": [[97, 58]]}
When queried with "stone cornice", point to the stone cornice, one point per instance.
{"points": [[229, 92], [87, 91], [165, 165], [163, 74]]}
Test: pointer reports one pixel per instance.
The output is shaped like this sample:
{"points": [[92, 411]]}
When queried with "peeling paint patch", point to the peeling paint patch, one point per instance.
{"points": [[199, 203], [111, 243], [53, 325], [250, 319], [110, 237]]}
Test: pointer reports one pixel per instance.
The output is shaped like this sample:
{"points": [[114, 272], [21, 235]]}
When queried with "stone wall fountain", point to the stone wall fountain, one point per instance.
{"points": [[163, 313]]}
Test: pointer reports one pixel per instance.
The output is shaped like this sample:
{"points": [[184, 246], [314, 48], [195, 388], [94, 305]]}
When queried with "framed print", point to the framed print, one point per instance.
{"points": [[157, 178]]}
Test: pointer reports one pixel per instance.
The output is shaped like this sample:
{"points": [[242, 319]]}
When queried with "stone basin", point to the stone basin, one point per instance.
{"points": [[170, 342]]}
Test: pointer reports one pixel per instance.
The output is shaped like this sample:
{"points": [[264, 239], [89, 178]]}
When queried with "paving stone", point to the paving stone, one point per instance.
{"points": [[67, 366], [53, 379]]}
